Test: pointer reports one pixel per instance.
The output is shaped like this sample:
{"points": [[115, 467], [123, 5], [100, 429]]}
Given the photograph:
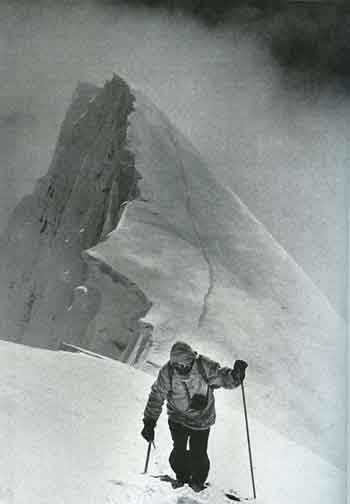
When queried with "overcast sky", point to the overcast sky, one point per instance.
{"points": [[270, 117]]}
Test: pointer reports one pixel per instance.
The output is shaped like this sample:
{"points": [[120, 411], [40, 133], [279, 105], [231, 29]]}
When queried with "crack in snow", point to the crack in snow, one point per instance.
{"points": [[205, 254]]}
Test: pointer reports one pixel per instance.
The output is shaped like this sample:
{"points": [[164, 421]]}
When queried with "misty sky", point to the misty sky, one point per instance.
{"points": [[279, 139]]}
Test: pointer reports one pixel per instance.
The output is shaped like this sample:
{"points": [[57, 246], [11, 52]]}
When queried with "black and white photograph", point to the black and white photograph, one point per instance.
{"points": [[174, 251]]}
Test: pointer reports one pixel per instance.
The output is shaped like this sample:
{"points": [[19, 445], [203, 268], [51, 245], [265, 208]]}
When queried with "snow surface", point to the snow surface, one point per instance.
{"points": [[69, 430], [210, 273], [217, 278]]}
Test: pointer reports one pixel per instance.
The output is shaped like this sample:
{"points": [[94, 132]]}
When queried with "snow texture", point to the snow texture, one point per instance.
{"points": [[217, 278], [185, 259], [69, 431]]}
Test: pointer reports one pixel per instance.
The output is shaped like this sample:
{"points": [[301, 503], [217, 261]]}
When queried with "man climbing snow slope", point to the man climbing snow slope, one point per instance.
{"points": [[187, 382]]}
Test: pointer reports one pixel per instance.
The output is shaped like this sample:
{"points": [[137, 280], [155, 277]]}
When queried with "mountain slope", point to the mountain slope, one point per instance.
{"points": [[70, 433], [239, 295], [43, 298], [130, 243]]}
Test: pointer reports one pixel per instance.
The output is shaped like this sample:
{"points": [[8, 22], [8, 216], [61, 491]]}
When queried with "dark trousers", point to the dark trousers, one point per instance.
{"points": [[189, 464]]}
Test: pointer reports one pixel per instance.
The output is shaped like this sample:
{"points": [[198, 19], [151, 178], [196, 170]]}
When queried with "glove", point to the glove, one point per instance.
{"points": [[148, 430], [238, 371]]}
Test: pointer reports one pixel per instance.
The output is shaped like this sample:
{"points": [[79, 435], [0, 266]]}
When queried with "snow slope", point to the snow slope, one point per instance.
{"points": [[69, 430], [216, 277], [191, 260]]}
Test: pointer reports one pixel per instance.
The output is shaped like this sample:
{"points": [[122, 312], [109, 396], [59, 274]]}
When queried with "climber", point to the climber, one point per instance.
{"points": [[187, 382]]}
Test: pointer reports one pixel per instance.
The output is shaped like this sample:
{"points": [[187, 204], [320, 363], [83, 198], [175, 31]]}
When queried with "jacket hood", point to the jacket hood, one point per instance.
{"points": [[181, 353]]}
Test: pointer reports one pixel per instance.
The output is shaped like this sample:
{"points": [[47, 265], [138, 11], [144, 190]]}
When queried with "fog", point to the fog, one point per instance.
{"points": [[278, 139]]}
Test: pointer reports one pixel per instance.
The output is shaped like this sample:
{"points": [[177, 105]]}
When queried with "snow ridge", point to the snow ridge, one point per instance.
{"points": [[284, 253]]}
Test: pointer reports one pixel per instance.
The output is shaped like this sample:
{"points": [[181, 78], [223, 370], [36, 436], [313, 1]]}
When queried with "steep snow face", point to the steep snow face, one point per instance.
{"points": [[185, 260], [69, 431], [215, 276]]}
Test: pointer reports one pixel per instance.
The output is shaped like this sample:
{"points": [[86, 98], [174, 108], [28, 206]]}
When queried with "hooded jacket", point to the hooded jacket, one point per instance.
{"points": [[178, 391]]}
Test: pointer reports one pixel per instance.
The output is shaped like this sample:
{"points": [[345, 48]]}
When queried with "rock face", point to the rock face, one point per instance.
{"points": [[130, 242], [45, 296]]}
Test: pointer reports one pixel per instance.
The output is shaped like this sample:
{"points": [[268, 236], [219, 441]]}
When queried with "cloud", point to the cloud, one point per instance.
{"points": [[311, 37], [236, 89]]}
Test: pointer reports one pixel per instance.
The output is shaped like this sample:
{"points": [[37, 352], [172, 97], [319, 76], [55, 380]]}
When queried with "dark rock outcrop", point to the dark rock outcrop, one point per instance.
{"points": [[73, 208]]}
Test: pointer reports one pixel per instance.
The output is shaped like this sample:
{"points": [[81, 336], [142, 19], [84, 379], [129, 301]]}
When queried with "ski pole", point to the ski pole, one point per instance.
{"points": [[147, 457], [248, 438]]}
